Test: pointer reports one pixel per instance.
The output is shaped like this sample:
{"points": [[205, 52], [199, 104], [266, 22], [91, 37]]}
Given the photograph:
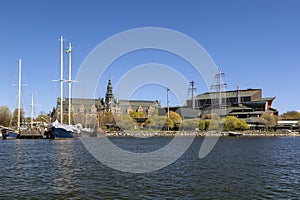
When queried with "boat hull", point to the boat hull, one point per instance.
{"points": [[61, 133], [9, 135]]}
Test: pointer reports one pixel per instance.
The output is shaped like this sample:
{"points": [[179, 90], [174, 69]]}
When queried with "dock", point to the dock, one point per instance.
{"points": [[31, 135]]}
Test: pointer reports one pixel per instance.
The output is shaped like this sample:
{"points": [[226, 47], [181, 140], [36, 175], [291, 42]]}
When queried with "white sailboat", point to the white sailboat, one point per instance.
{"points": [[61, 130]]}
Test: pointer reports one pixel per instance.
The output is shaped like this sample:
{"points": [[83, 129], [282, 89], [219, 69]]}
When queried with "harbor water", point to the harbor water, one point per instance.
{"points": [[236, 168]]}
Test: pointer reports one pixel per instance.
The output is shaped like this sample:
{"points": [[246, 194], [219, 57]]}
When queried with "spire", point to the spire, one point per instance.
{"points": [[109, 97]]}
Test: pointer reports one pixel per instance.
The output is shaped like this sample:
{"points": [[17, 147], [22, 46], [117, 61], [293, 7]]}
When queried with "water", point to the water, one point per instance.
{"points": [[237, 168]]}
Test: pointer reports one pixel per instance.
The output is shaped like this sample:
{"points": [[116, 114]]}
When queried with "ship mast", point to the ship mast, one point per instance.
{"points": [[19, 93], [69, 51], [61, 77], [32, 111], [219, 87]]}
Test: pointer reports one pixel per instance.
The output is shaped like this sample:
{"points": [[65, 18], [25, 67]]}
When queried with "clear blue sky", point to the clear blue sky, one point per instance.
{"points": [[255, 42]]}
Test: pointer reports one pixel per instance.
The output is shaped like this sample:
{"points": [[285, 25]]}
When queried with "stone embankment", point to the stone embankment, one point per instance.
{"points": [[198, 134]]}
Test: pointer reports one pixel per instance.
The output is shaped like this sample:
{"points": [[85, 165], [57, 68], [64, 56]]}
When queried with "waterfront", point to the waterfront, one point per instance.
{"points": [[237, 168]]}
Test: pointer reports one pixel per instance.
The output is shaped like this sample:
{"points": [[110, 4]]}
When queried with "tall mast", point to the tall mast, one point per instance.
{"points": [[219, 86], [69, 51], [61, 77], [168, 108], [19, 93], [32, 111]]}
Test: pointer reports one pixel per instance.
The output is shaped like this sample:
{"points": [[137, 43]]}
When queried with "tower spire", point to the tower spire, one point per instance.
{"points": [[109, 97]]}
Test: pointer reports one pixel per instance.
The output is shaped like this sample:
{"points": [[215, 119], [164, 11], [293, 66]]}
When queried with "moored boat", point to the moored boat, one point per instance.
{"points": [[9, 134], [234, 134], [61, 131]]}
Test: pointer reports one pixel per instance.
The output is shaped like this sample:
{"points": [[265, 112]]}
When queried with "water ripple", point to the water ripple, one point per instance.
{"points": [[237, 168]]}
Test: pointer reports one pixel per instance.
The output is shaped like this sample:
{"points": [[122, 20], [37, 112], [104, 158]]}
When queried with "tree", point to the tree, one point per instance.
{"points": [[232, 123], [169, 124], [270, 120], [190, 124], [211, 125], [202, 125], [135, 114], [124, 122], [5, 116], [108, 118], [15, 116], [242, 125], [291, 115], [176, 118], [157, 122]]}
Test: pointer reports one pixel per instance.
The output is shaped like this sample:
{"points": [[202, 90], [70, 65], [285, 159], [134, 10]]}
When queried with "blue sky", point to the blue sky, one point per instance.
{"points": [[256, 43]]}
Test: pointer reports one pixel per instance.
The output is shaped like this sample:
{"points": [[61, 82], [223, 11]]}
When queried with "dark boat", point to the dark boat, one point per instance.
{"points": [[8, 134], [234, 134], [61, 131]]}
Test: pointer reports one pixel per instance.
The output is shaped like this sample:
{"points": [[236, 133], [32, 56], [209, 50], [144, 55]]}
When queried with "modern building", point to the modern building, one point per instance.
{"points": [[248, 104]]}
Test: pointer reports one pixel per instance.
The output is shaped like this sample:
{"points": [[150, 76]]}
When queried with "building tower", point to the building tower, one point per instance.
{"points": [[109, 97]]}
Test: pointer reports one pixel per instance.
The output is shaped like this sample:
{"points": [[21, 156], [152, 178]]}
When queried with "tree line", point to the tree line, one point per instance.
{"points": [[155, 122]]}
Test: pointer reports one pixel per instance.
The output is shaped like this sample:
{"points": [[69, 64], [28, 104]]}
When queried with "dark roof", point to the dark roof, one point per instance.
{"points": [[265, 99], [228, 94], [247, 113]]}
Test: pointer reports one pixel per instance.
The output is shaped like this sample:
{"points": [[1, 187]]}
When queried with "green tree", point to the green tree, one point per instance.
{"points": [[5, 116], [270, 120], [124, 122], [176, 118], [190, 124], [202, 125], [156, 122], [135, 114], [15, 116], [211, 125], [109, 118], [169, 124], [242, 125], [232, 123], [291, 115]]}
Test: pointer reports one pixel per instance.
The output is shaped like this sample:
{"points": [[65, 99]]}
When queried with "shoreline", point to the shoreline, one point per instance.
{"points": [[145, 134]]}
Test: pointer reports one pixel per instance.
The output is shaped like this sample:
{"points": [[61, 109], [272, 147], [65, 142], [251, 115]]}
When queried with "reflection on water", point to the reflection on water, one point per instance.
{"points": [[64, 158], [241, 168]]}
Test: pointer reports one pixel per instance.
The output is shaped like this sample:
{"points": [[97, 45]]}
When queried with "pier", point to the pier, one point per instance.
{"points": [[31, 135]]}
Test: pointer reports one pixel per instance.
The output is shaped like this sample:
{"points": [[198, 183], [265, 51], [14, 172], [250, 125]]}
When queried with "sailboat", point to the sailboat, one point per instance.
{"points": [[61, 130], [8, 133]]}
